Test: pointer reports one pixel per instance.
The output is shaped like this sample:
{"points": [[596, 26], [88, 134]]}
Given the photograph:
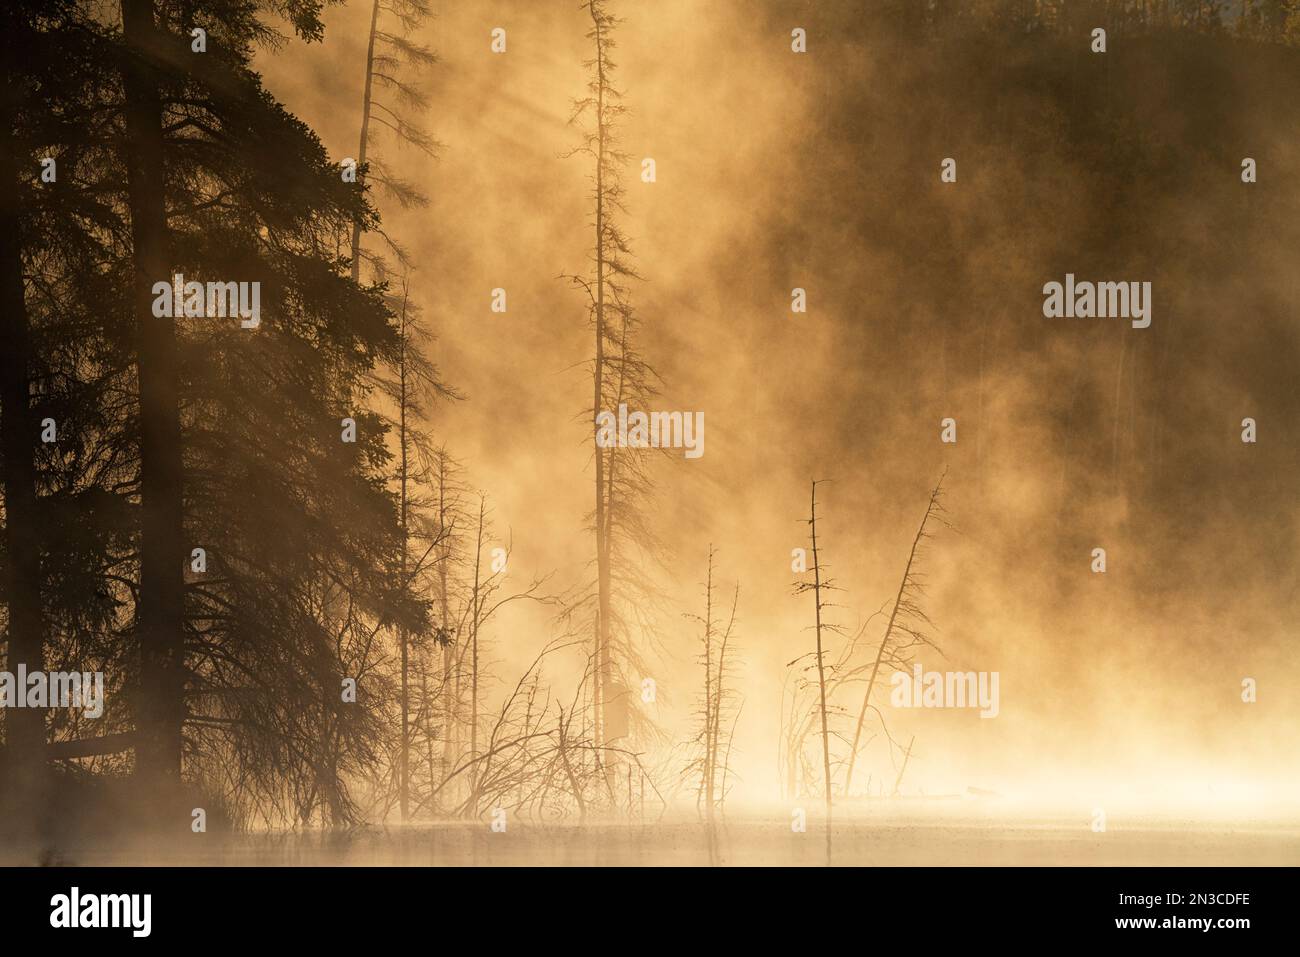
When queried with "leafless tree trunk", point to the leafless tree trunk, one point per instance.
{"points": [[403, 765], [161, 614], [709, 730], [903, 604], [450, 683], [821, 665], [475, 617], [601, 687], [907, 755], [365, 131]]}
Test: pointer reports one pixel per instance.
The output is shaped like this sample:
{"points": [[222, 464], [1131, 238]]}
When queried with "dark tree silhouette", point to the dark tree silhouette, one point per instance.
{"points": [[620, 375]]}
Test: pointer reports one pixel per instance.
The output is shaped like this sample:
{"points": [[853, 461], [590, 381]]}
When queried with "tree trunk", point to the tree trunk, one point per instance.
{"points": [[24, 727], [884, 644], [709, 731], [602, 683], [821, 669], [403, 771], [160, 618], [365, 132], [451, 711], [473, 687]]}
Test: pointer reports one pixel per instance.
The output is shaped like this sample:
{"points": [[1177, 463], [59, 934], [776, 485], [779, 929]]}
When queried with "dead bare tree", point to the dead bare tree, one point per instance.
{"points": [[908, 624], [390, 95], [531, 762], [449, 492], [620, 376], [485, 596], [712, 744], [413, 384], [817, 586]]}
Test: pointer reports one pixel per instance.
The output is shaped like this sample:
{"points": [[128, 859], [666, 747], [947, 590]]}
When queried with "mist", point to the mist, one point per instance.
{"points": [[841, 265]]}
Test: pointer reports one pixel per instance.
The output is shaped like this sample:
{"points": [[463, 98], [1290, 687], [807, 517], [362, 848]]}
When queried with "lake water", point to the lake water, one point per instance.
{"points": [[939, 836]]}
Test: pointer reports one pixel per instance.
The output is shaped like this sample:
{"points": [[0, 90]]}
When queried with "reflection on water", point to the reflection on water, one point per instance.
{"points": [[883, 840]]}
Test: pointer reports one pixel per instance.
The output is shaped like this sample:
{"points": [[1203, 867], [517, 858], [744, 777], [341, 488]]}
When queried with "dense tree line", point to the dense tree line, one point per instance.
{"points": [[242, 521], [198, 530], [1276, 20]]}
